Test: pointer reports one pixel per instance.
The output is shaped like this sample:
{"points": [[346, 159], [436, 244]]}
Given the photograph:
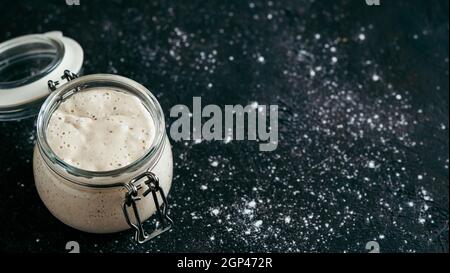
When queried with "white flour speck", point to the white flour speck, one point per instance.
{"points": [[258, 223], [261, 59], [252, 204], [215, 163], [215, 212]]}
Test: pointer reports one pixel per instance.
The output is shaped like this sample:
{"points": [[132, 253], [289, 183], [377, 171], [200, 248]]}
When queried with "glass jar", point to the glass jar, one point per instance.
{"points": [[108, 201]]}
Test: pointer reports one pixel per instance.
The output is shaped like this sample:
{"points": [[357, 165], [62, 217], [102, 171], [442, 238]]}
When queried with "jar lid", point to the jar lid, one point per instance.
{"points": [[27, 63]]}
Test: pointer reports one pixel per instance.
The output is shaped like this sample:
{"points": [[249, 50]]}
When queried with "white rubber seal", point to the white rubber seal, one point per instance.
{"points": [[22, 95]]}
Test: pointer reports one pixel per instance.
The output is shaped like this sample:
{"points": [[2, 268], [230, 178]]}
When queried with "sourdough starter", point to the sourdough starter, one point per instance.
{"points": [[98, 130]]}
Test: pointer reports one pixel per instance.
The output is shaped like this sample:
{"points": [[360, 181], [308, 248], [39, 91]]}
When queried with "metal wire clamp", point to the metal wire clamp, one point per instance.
{"points": [[164, 223]]}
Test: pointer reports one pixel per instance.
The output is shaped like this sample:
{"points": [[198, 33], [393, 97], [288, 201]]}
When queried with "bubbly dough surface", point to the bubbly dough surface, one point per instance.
{"points": [[100, 130]]}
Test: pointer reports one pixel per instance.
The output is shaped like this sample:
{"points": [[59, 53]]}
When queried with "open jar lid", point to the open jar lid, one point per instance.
{"points": [[27, 63]]}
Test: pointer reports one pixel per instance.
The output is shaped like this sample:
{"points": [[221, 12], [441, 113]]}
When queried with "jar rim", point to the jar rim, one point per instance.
{"points": [[99, 81]]}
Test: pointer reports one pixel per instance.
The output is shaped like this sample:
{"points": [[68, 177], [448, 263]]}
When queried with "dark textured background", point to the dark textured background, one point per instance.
{"points": [[363, 94]]}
